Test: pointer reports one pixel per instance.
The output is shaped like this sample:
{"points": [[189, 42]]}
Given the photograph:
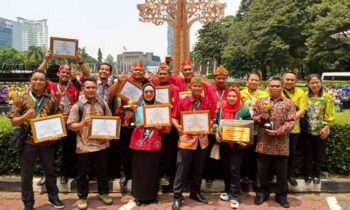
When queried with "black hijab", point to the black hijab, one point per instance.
{"points": [[143, 96]]}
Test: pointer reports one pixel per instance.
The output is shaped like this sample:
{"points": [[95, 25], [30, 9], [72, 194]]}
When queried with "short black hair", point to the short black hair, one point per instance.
{"points": [[275, 78], [310, 94], [105, 63], [38, 71], [289, 71], [253, 73], [90, 79]]}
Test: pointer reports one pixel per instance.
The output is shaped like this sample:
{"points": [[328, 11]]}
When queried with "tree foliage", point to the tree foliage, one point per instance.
{"points": [[271, 35]]}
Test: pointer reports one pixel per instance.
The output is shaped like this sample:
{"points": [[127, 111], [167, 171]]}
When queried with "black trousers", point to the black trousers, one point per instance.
{"points": [[84, 162], [69, 156], [249, 161], [212, 169], [113, 164], [125, 151], [293, 142], [267, 162], [314, 151], [168, 153], [189, 165], [232, 161], [28, 158]]}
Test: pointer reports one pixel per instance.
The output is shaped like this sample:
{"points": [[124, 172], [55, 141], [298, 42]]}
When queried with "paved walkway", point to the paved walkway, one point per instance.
{"points": [[298, 201]]}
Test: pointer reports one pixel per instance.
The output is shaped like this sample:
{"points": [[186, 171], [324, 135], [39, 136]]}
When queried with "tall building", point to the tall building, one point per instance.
{"points": [[170, 40], [126, 59], [10, 34], [34, 33]]}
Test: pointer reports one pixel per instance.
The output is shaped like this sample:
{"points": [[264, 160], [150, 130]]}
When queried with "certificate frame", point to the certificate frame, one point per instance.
{"points": [[123, 92], [168, 95], [57, 44], [183, 94], [239, 126], [58, 119], [104, 137], [146, 118], [205, 113]]}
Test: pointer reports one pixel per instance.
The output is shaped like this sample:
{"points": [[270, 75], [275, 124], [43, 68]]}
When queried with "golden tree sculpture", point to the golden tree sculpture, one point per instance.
{"points": [[181, 14]]}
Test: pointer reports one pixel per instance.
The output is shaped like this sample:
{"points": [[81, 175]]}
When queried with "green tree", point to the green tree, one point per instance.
{"points": [[35, 55], [99, 56]]}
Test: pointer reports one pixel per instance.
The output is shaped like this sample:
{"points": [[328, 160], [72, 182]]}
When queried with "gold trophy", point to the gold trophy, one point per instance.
{"points": [[267, 106], [129, 110]]}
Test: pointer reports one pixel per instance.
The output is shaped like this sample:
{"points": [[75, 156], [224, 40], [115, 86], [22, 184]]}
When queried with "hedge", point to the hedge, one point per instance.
{"points": [[337, 159]]}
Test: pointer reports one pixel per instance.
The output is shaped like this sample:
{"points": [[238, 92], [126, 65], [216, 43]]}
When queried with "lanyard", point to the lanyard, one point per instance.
{"points": [[220, 96], [65, 90], [196, 105], [38, 104]]}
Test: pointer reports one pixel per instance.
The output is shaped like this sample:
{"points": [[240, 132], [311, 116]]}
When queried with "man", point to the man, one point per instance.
{"points": [[218, 94], [273, 144], [183, 83], [36, 102], [138, 77], [90, 150], [170, 136], [192, 149], [67, 94], [296, 95]]}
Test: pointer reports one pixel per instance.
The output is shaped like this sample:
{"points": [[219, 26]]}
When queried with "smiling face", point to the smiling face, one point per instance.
{"points": [[148, 93], [187, 71], [163, 76], [104, 72], [196, 89], [289, 81], [253, 82], [64, 76], [232, 98], [90, 90], [315, 85], [38, 82], [138, 73]]}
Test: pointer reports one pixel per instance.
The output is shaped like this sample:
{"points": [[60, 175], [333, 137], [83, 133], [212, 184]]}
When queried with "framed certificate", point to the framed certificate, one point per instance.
{"points": [[48, 127], [163, 94], [237, 130], [130, 91], [155, 115], [63, 47], [104, 127], [195, 122], [184, 94]]}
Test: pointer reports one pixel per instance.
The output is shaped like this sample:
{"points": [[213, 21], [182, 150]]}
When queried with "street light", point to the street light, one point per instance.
{"points": [[181, 14]]}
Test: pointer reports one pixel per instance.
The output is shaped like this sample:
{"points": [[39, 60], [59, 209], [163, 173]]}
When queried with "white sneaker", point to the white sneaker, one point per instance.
{"points": [[224, 196], [234, 204]]}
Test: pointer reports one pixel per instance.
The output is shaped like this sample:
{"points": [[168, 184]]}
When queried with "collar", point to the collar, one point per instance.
{"points": [[292, 91], [84, 100], [221, 89], [193, 99], [281, 98], [99, 82]]}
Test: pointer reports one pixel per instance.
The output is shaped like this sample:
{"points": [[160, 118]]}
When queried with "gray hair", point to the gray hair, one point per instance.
{"points": [[275, 78]]}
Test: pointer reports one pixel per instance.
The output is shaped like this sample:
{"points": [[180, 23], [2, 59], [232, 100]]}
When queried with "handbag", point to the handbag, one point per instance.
{"points": [[215, 152], [18, 137]]}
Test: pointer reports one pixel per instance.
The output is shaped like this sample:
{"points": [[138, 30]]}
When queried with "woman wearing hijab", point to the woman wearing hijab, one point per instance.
{"points": [[146, 145], [231, 153]]}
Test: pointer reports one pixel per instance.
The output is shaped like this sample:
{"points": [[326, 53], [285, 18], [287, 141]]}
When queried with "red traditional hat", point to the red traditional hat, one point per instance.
{"points": [[65, 68], [138, 65], [187, 63]]}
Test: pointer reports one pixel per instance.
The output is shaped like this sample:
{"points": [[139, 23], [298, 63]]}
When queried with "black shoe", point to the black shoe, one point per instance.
{"points": [[138, 203], [260, 199], [64, 180], [283, 202], [56, 202], [308, 179], [176, 204], [198, 197], [317, 180], [123, 181], [292, 181], [41, 181], [209, 181]]}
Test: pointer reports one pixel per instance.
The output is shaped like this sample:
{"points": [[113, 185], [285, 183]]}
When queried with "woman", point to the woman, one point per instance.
{"points": [[320, 113], [232, 153], [146, 145]]}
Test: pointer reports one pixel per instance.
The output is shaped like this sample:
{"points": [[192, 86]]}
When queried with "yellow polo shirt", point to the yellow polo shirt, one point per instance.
{"points": [[249, 99]]}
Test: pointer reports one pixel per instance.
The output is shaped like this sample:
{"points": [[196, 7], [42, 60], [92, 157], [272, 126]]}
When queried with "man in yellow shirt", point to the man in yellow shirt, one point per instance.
{"points": [[296, 95]]}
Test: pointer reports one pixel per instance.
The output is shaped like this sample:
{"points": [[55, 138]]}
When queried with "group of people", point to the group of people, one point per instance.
{"points": [[148, 153]]}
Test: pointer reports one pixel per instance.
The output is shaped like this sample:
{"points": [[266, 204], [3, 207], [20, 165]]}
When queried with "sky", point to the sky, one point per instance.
{"points": [[105, 24]]}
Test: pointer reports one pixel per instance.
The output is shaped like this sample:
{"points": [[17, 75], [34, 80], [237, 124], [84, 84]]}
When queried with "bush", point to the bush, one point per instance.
{"points": [[337, 159]]}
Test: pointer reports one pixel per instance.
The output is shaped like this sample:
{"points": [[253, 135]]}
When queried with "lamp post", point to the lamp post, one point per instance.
{"points": [[181, 14]]}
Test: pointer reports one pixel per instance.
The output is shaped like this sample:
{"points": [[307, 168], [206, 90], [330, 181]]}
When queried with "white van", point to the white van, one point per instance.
{"points": [[335, 76]]}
